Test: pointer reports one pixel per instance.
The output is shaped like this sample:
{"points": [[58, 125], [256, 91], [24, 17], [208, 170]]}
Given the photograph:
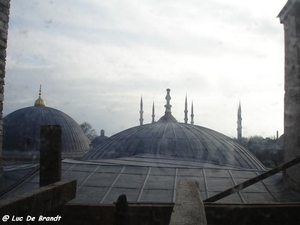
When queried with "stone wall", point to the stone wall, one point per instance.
{"points": [[4, 18], [291, 23]]}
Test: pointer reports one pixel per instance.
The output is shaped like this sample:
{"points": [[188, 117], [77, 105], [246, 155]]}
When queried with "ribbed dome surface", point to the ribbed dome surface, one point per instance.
{"points": [[21, 130], [178, 141]]}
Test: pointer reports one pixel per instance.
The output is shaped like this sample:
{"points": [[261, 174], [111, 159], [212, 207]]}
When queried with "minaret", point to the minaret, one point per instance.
{"points": [[185, 111], [153, 113], [141, 112], [239, 123], [192, 114]]}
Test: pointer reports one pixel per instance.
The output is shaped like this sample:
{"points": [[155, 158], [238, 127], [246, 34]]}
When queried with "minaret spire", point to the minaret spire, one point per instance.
{"points": [[239, 123], [153, 113], [192, 113], [141, 112], [185, 111]]}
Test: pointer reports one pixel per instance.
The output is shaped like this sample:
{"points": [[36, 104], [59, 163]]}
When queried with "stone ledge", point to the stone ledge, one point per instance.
{"points": [[39, 201]]}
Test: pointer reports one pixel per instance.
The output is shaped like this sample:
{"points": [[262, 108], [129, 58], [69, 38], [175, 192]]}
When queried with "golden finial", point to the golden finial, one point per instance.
{"points": [[40, 101]]}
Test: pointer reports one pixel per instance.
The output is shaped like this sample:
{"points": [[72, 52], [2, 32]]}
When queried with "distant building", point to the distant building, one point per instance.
{"points": [[99, 139]]}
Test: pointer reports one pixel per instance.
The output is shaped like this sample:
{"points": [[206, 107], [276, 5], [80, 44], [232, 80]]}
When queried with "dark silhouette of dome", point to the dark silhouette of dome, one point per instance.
{"points": [[169, 139], [21, 131]]}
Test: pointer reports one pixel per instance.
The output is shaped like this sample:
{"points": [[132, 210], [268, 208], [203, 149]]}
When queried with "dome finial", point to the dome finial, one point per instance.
{"points": [[168, 114], [168, 98], [40, 101]]}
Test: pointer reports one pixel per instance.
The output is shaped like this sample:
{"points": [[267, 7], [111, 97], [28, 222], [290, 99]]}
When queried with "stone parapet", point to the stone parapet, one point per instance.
{"points": [[290, 17], [4, 19]]}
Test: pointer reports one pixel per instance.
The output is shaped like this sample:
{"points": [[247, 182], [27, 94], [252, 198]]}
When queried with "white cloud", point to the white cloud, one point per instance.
{"points": [[96, 58]]}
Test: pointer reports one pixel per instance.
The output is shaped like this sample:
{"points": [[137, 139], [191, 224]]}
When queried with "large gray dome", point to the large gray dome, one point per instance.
{"points": [[172, 140], [175, 140]]}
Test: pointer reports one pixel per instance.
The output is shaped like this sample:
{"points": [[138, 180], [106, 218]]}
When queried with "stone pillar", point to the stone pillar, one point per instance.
{"points": [[290, 17], [188, 208], [50, 154], [4, 17]]}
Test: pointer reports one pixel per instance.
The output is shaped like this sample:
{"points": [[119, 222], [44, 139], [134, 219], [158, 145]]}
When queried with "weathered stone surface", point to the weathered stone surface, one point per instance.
{"points": [[4, 18], [188, 208], [39, 201], [292, 95]]}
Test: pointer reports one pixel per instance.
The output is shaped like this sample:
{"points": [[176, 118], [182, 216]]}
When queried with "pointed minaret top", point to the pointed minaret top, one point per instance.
{"points": [[153, 113], [141, 112], [239, 122], [40, 101], [192, 113], [185, 110]]}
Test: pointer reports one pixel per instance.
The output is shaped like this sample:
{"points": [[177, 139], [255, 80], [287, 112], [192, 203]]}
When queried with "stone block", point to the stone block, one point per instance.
{"points": [[188, 208], [39, 201]]}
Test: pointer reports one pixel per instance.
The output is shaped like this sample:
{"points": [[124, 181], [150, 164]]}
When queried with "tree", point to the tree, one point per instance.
{"points": [[88, 130], [265, 149], [243, 141]]}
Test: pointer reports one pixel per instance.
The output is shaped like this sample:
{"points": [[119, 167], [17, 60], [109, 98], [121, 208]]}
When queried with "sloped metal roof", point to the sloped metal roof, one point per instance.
{"points": [[103, 182]]}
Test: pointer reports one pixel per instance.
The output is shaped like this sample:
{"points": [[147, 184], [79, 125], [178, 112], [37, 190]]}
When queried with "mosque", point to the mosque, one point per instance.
{"points": [[146, 163]]}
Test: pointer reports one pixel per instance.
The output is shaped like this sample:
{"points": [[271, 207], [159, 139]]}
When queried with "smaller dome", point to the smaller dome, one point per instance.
{"points": [[98, 140], [40, 101], [21, 133]]}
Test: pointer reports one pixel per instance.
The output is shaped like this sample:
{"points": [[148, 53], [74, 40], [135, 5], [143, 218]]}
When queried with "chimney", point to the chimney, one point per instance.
{"points": [[50, 154]]}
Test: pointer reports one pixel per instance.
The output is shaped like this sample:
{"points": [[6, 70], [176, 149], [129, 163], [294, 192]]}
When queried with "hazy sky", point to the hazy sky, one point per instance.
{"points": [[96, 58]]}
